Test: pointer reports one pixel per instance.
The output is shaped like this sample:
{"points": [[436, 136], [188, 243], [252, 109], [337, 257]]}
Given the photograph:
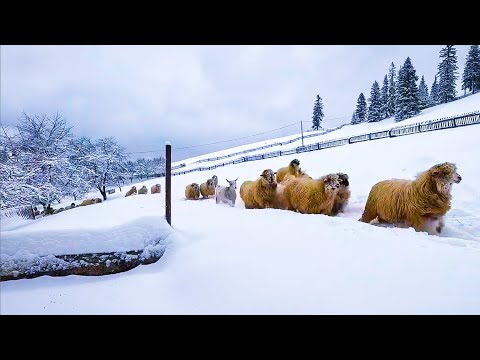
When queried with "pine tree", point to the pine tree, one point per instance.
{"points": [[471, 73], [447, 71], [317, 113], [423, 99], [434, 94], [375, 108], [361, 111], [384, 98], [354, 119], [407, 104], [391, 90]]}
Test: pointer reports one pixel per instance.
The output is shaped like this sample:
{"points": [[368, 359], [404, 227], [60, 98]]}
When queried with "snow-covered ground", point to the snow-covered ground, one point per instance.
{"points": [[232, 260]]}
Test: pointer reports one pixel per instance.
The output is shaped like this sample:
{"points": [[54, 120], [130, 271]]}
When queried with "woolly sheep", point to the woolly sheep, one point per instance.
{"points": [[419, 203], [143, 190], [207, 188], [192, 191], [312, 196], [259, 194], [132, 191], [155, 189], [293, 169]]}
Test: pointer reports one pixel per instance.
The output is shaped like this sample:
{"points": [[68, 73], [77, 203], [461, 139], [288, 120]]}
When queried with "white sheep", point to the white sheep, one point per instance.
{"points": [[227, 194]]}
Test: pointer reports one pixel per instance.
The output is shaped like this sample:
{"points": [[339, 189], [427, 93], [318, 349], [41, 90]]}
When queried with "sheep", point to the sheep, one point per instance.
{"points": [[419, 203], [143, 190], [293, 169], [56, 211], [343, 194], [192, 191], [259, 194], [207, 188], [215, 180], [155, 189], [132, 191], [227, 194], [312, 196], [87, 202], [71, 206], [97, 200]]}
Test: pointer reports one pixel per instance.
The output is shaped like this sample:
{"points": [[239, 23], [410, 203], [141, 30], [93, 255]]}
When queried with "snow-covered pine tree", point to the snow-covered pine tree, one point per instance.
{"points": [[423, 98], [384, 98], [354, 119], [471, 73], [447, 71], [391, 90], [130, 170], [375, 107], [159, 165], [361, 111], [317, 113], [407, 92], [434, 93]]}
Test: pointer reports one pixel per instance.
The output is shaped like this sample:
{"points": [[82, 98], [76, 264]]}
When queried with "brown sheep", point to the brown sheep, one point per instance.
{"points": [[419, 203], [143, 190], [155, 189], [343, 194], [192, 191], [313, 196], [87, 202], [293, 169], [207, 188], [132, 191], [259, 194], [97, 200]]}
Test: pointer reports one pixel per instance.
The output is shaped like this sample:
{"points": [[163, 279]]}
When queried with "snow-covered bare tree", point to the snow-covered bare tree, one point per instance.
{"points": [[106, 164], [40, 154]]}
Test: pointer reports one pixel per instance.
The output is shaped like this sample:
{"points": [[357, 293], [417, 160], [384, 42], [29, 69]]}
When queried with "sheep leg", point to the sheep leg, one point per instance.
{"points": [[368, 214], [427, 224]]}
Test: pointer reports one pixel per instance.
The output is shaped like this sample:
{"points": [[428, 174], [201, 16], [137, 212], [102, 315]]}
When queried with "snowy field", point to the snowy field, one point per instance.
{"points": [[223, 260]]}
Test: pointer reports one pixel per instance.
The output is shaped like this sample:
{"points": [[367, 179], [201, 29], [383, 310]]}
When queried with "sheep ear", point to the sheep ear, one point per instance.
{"points": [[228, 180], [236, 179]]}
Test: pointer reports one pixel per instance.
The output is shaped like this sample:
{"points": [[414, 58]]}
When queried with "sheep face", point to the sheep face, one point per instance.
{"points": [[215, 180], [233, 183], [445, 175], [295, 162], [343, 179], [331, 182], [269, 176]]}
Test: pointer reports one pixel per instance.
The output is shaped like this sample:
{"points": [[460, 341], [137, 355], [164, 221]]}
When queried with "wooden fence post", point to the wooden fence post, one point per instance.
{"points": [[168, 183]]}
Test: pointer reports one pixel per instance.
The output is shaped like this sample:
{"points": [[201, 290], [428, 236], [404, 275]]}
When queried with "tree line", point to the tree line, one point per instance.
{"points": [[41, 162], [400, 96]]}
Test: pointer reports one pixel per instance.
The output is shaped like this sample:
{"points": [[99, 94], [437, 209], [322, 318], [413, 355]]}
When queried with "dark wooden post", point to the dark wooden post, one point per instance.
{"points": [[168, 183]]}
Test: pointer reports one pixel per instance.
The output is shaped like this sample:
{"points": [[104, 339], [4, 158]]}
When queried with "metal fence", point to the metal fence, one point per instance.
{"points": [[24, 212], [402, 130]]}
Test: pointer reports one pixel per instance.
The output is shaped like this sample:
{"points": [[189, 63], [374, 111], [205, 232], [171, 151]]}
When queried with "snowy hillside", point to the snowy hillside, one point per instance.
{"points": [[465, 105], [222, 260]]}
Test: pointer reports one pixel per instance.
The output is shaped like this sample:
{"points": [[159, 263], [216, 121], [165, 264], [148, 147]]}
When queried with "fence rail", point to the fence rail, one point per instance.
{"points": [[24, 212], [402, 130]]}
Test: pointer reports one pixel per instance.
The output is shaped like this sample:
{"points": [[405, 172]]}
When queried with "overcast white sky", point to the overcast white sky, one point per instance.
{"points": [[189, 95]]}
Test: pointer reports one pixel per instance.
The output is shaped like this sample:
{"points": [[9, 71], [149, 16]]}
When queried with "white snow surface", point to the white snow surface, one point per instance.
{"points": [[223, 260]]}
